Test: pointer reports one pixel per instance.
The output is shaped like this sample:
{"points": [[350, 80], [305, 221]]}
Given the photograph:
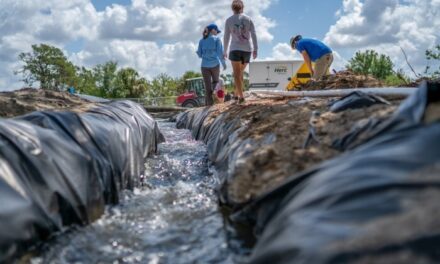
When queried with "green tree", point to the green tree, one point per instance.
{"points": [[86, 82], [191, 75], [48, 66], [163, 85], [370, 62], [398, 78], [105, 75], [433, 55], [129, 84], [140, 89]]}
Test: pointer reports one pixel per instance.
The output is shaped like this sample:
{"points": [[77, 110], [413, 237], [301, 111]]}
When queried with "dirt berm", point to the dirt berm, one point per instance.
{"points": [[27, 100], [257, 145]]}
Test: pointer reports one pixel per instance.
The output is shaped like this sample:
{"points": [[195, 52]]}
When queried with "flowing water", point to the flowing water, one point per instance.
{"points": [[173, 218]]}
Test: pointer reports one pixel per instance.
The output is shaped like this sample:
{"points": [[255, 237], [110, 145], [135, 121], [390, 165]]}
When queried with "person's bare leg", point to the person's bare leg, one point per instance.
{"points": [[243, 67], [238, 78]]}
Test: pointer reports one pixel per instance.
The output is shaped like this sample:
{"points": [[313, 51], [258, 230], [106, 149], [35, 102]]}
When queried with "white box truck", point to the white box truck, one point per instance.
{"points": [[274, 75]]}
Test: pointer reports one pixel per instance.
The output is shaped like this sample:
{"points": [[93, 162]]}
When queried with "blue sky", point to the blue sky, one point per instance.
{"points": [[161, 36], [311, 18], [100, 5]]}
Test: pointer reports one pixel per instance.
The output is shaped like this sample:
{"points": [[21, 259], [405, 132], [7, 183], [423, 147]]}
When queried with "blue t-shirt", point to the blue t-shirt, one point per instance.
{"points": [[211, 52], [315, 48]]}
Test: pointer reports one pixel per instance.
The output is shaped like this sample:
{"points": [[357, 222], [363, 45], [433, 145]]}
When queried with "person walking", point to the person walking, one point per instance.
{"points": [[315, 51], [239, 31], [210, 50]]}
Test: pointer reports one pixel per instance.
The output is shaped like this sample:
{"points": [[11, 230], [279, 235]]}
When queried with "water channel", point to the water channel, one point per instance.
{"points": [[173, 218]]}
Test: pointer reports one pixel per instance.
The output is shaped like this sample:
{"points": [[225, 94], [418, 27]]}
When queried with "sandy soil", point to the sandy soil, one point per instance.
{"points": [[289, 121], [28, 100]]}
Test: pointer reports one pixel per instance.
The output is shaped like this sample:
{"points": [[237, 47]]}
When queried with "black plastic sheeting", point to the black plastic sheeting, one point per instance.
{"points": [[61, 168], [358, 135], [410, 113], [354, 100], [375, 204]]}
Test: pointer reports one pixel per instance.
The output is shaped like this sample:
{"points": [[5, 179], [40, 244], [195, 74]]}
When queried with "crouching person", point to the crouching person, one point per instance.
{"points": [[315, 51]]}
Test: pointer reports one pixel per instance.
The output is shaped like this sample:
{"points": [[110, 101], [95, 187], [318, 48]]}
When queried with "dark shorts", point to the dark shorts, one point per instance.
{"points": [[238, 55]]}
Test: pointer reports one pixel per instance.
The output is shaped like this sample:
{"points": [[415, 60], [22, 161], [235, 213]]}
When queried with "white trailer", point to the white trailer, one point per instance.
{"points": [[272, 75]]}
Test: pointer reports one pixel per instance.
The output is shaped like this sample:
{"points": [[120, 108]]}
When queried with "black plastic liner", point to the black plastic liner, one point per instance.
{"points": [[61, 168], [356, 100], [410, 113], [375, 204]]}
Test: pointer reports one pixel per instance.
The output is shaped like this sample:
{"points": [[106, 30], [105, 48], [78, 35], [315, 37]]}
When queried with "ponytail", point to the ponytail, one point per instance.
{"points": [[205, 33]]}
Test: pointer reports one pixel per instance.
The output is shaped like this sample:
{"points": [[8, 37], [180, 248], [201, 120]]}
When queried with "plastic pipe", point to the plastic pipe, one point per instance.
{"points": [[340, 92]]}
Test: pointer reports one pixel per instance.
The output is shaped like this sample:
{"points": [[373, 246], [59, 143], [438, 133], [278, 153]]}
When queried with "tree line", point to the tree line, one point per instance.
{"points": [[48, 66]]}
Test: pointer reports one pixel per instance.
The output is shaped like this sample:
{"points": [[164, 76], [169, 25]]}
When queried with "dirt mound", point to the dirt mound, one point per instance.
{"points": [[290, 124], [343, 80], [27, 100]]}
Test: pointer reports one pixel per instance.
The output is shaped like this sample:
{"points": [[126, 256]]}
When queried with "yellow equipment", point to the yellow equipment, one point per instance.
{"points": [[302, 76]]}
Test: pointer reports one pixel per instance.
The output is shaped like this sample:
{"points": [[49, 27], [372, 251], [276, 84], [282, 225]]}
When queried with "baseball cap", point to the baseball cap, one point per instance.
{"points": [[213, 26], [294, 40]]}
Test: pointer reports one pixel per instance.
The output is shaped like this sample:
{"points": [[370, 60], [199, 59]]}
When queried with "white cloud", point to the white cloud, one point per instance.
{"points": [[386, 26], [148, 58], [181, 20], [339, 62], [153, 36], [283, 51]]}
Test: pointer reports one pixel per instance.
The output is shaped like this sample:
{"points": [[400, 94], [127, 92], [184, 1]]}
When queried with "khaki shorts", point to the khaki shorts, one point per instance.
{"points": [[322, 65]]}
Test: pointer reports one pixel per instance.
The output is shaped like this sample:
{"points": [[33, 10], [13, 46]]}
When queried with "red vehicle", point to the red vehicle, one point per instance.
{"points": [[194, 95]]}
